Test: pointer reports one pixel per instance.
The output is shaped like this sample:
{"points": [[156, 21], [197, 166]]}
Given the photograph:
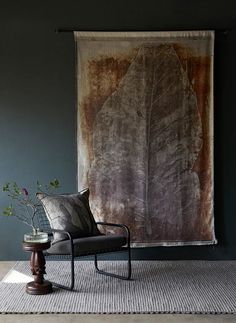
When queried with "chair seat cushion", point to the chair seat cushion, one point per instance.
{"points": [[89, 245]]}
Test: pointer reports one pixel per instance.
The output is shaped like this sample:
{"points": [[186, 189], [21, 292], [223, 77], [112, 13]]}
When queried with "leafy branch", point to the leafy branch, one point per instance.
{"points": [[25, 206]]}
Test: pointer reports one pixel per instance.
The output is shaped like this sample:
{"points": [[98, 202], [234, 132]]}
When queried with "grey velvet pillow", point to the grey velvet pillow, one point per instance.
{"points": [[71, 213]]}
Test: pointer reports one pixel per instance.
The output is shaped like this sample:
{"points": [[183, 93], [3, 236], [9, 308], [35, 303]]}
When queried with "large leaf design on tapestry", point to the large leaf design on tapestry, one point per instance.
{"points": [[146, 140]]}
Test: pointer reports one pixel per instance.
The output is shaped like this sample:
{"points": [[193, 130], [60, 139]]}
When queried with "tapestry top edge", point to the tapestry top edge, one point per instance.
{"points": [[95, 35]]}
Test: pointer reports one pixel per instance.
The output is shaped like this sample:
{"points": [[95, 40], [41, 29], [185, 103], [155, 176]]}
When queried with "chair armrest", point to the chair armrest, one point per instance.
{"points": [[123, 226], [62, 231]]}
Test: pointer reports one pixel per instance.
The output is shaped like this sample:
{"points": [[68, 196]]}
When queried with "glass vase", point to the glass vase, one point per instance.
{"points": [[36, 236]]}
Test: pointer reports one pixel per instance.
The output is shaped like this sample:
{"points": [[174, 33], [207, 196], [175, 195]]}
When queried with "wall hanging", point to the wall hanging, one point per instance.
{"points": [[145, 132]]}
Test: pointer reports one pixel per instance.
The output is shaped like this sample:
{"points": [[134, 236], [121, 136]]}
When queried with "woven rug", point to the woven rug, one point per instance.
{"points": [[157, 287]]}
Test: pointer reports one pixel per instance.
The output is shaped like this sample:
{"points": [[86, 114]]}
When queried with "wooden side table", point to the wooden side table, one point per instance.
{"points": [[37, 264]]}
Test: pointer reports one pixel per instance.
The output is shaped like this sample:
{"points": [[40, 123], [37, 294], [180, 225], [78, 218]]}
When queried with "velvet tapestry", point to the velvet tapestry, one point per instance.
{"points": [[145, 132]]}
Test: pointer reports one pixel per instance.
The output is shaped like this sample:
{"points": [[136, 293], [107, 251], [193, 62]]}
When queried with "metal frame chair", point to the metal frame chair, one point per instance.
{"points": [[72, 255]]}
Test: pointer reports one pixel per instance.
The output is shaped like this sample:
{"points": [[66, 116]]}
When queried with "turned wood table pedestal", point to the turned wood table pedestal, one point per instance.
{"points": [[37, 264]]}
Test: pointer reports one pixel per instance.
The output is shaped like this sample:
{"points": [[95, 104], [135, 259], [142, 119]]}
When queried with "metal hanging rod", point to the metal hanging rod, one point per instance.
{"points": [[69, 30]]}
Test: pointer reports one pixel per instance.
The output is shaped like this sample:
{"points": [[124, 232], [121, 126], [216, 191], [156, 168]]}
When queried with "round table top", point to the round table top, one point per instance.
{"points": [[36, 246]]}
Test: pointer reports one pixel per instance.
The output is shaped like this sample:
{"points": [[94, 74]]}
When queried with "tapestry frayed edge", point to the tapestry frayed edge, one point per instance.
{"points": [[173, 243]]}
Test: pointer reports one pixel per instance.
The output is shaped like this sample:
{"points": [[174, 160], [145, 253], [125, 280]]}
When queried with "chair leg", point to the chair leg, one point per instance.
{"points": [[115, 275], [72, 277]]}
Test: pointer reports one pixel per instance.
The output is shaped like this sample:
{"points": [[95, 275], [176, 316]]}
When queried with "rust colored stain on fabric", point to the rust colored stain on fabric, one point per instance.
{"points": [[104, 76]]}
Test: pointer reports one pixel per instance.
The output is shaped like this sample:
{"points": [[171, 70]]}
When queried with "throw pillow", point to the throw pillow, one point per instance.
{"points": [[71, 213]]}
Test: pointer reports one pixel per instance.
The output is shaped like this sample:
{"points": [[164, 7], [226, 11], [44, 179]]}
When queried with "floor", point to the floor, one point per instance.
{"points": [[65, 318]]}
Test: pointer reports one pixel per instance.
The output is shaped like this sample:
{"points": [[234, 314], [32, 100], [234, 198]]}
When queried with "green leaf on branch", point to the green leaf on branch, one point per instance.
{"points": [[16, 189], [6, 187], [8, 211], [55, 184]]}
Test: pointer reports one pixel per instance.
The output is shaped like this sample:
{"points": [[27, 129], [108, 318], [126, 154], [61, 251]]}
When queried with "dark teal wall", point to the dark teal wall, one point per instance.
{"points": [[37, 99]]}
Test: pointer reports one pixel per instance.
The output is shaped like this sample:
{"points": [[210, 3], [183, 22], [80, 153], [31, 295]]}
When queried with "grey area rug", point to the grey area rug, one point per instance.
{"points": [[157, 287]]}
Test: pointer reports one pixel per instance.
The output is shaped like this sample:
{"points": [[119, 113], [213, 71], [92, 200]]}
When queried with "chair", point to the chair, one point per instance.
{"points": [[85, 246]]}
